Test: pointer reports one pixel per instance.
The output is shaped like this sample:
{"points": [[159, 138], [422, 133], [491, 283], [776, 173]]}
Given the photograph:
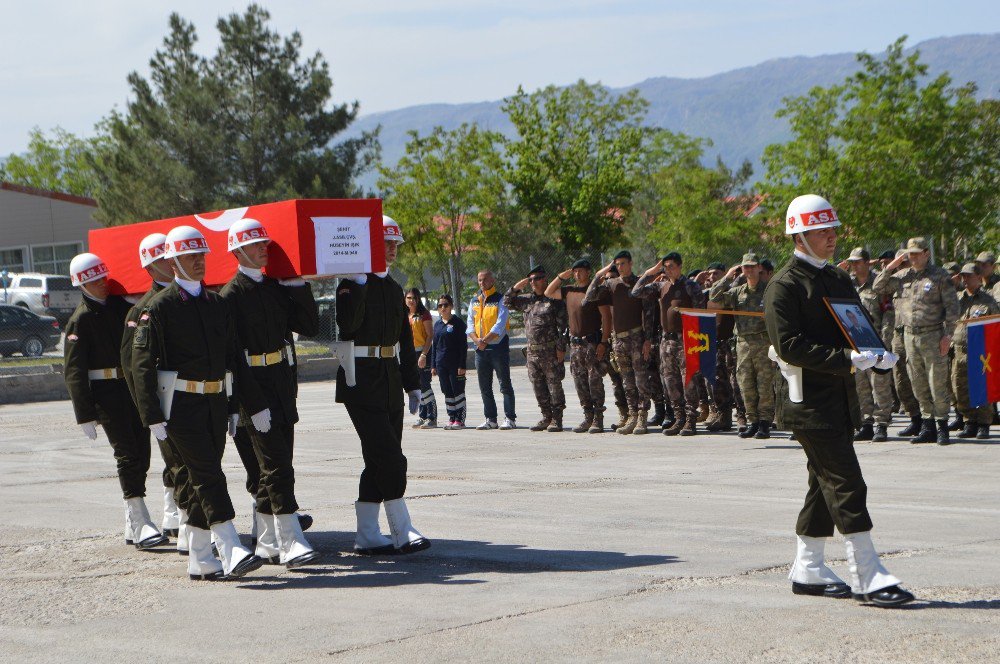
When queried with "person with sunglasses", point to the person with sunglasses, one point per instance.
{"points": [[448, 353], [423, 330]]}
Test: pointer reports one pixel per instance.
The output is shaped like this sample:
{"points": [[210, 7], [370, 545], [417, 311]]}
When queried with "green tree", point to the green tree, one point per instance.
{"points": [[60, 162], [249, 125], [572, 166]]}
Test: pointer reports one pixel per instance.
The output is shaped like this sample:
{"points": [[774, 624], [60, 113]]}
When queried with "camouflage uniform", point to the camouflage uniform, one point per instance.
{"points": [[754, 369], [894, 320], [726, 391], [874, 389], [586, 334], [932, 309], [545, 327], [973, 305]]}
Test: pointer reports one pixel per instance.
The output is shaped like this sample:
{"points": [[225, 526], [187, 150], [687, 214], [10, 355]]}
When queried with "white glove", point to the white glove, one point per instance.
{"points": [[360, 279], [262, 420], [90, 429], [233, 421], [888, 360], [297, 281], [414, 401], [159, 430], [863, 360]]}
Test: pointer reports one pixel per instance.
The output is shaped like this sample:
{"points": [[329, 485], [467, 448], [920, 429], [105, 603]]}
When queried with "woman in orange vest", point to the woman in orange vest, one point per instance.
{"points": [[423, 334]]}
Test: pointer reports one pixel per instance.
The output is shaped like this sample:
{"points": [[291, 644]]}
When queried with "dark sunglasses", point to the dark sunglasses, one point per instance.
{"points": [[537, 278]]}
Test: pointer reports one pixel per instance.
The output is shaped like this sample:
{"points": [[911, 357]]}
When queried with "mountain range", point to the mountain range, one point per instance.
{"points": [[734, 109]]}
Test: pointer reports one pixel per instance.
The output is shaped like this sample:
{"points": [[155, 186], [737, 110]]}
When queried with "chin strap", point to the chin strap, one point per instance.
{"points": [[253, 264], [165, 275], [181, 270]]}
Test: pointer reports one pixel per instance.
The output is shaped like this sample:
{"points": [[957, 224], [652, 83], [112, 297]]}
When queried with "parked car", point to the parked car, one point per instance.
{"points": [[44, 294], [24, 331]]}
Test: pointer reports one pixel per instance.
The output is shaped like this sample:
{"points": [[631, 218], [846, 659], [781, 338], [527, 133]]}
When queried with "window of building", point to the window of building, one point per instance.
{"points": [[54, 258], [12, 259]]}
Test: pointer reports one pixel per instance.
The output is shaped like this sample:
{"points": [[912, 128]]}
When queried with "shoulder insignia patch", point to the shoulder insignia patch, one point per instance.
{"points": [[141, 339]]}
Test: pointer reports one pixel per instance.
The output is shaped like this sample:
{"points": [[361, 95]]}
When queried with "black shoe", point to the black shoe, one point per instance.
{"points": [[245, 566], [150, 542], [928, 432], [957, 423], [984, 432], [887, 597], [305, 522], [386, 550], [942, 433], [834, 590], [214, 576], [881, 434], [658, 415], [763, 430], [866, 432], [970, 431], [750, 431], [414, 546], [914, 428], [303, 560]]}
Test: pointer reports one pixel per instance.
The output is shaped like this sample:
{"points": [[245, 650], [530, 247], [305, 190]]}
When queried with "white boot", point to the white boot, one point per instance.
{"points": [[267, 538], [141, 530], [295, 549], [202, 565], [236, 559], [171, 517], [370, 541], [405, 538], [182, 532], [809, 566], [867, 573]]}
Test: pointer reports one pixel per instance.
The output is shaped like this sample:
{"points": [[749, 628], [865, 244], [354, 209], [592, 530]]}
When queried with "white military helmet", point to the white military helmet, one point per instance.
{"points": [[184, 240], [808, 213], [246, 231], [85, 268], [391, 230], [151, 248]]}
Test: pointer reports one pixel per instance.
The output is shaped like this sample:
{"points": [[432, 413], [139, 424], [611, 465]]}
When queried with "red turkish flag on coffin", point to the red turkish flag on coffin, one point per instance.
{"points": [[314, 237]]}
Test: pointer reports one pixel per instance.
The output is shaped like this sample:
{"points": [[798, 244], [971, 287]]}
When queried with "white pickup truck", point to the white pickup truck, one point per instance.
{"points": [[44, 294]]}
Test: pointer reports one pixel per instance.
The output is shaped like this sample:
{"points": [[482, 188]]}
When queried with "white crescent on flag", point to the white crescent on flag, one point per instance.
{"points": [[222, 223]]}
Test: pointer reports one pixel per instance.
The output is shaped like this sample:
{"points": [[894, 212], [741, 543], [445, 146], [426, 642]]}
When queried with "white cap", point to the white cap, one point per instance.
{"points": [[247, 231], [184, 240], [391, 230], [810, 212], [151, 248], [85, 268]]}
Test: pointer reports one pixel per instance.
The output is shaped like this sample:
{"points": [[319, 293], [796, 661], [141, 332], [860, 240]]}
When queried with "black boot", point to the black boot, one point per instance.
{"points": [[916, 422], [750, 431], [970, 430], [881, 434], [866, 432], [928, 432], [984, 432], [942, 432], [659, 414], [763, 430], [957, 423]]}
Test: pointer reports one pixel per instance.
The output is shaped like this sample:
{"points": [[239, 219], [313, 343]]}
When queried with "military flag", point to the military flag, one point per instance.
{"points": [[984, 362], [698, 330]]}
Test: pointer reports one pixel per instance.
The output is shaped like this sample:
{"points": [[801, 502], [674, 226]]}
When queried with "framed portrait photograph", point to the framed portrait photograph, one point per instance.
{"points": [[856, 324]]}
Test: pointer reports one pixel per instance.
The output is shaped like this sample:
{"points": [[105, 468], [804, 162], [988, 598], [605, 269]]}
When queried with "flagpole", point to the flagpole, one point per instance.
{"points": [[981, 319], [758, 314]]}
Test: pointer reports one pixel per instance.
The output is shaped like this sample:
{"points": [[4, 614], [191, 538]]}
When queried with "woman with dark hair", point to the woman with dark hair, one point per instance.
{"points": [[448, 361], [423, 330]]}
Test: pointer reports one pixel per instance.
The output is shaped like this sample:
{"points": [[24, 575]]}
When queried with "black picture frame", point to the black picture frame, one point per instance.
{"points": [[856, 324]]}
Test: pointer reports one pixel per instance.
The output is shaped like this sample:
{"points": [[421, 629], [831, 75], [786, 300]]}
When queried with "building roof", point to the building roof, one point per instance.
{"points": [[44, 193]]}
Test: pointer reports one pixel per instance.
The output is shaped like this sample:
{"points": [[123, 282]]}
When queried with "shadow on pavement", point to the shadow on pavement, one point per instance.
{"points": [[989, 604], [446, 562]]}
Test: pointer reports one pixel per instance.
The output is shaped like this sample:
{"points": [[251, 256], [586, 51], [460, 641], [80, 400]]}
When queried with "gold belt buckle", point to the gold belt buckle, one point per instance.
{"points": [[191, 386], [109, 373], [387, 351], [272, 358], [213, 387]]}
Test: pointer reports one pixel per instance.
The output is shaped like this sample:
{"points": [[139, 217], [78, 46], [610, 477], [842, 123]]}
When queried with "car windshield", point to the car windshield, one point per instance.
{"points": [[59, 283]]}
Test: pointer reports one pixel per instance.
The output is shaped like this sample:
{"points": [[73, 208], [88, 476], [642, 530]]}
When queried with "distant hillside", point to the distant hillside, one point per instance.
{"points": [[735, 109]]}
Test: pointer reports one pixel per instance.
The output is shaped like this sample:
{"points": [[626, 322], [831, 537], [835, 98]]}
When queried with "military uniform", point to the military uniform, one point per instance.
{"points": [[971, 306], [894, 321], [874, 388], [586, 333], [726, 391], [545, 326], [266, 315]]}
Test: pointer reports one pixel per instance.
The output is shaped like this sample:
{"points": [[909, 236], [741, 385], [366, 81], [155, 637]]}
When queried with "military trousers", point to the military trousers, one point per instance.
{"points": [[633, 368], [617, 384], [982, 415], [588, 376], [381, 434], [837, 494], [683, 397], [129, 442], [272, 451], [722, 391], [244, 447], [928, 370], [901, 376], [656, 389], [755, 373], [874, 396]]}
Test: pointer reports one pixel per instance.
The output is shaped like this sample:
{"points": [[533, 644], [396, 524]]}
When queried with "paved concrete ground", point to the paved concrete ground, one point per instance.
{"points": [[547, 547]]}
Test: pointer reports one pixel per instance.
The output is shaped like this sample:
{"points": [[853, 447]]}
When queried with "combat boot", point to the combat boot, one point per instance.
{"points": [[555, 425], [866, 432], [703, 412], [984, 432], [723, 423], [622, 419], [928, 432], [584, 426], [970, 431], [659, 414], [713, 418], [543, 423], [640, 423], [689, 428], [942, 432], [916, 425], [597, 424], [957, 423], [629, 424], [881, 434], [741, 422], [676, 427], [763, 430], [750, 431]]}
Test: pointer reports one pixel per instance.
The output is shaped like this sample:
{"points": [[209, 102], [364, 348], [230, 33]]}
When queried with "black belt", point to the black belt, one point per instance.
{"points": [[593, 338]]}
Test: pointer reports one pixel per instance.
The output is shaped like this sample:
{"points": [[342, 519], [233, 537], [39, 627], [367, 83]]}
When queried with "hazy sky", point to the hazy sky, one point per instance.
{"points": [[65, 63]]}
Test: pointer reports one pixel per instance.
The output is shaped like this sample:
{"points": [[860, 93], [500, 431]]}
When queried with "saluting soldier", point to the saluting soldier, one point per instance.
{"points": [[545, 326], [754, 369], [897, 317], [987, 261], [184, 346], [631, 345], [933, 311], [99, 394], [151, 260], [666, 284], [823, 419], [974, 303], [267, 312], [371, 313]]}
